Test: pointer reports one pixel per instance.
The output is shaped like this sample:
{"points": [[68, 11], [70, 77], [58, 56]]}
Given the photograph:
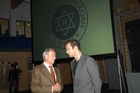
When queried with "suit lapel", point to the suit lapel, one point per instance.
{"points": [[72, 66], [80, 65], [46, 72]]}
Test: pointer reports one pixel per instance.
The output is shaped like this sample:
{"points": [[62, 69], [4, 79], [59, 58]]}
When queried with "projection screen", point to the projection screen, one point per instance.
{"points": [[56, 21]]}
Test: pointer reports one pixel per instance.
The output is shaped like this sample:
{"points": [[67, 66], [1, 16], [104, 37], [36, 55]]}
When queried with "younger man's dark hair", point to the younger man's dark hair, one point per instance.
{"points": [[74, 43]]}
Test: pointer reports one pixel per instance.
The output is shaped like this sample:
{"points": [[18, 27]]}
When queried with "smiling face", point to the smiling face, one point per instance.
{"points": [[50, 57], [69, 50]]}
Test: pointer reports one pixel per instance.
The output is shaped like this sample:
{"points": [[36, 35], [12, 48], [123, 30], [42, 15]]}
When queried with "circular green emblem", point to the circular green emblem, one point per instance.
{"points": [[67, 20]]}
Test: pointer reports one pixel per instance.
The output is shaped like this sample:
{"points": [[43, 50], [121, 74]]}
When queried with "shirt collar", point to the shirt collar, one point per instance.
{"points": [[46, 64]]}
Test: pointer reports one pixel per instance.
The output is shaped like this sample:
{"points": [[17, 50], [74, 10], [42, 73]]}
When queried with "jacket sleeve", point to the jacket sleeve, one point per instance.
{"points": [[36, 86], [94, 73]]}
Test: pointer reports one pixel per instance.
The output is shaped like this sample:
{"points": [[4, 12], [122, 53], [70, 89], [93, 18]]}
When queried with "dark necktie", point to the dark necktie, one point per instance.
{"points": [[52, 73]]}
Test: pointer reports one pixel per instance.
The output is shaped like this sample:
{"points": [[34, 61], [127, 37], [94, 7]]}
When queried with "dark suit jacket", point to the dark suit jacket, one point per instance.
{"points": [[86, 78], [41, 81]]}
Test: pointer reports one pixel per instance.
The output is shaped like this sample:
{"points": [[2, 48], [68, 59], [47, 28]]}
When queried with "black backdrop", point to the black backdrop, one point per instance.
{"points": [[133, 39]]}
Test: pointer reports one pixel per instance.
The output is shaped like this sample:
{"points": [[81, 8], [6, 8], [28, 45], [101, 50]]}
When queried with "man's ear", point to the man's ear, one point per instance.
{"points": [[46, 56], [75, 47]]}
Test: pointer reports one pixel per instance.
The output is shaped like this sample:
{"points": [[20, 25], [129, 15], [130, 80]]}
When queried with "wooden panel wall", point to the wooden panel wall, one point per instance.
{"points": [[21, 59]]}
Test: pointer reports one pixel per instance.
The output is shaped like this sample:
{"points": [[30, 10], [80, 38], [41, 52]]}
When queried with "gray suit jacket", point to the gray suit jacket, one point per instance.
{"points": [[41, 81], [86, 78]]}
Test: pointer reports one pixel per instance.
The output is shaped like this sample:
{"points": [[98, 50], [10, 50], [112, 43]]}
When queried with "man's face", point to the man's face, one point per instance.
{"points": [[69, 50], [50, 57]]}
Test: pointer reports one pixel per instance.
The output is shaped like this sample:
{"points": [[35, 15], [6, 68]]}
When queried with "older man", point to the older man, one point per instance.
{"points": [[45, 77]]}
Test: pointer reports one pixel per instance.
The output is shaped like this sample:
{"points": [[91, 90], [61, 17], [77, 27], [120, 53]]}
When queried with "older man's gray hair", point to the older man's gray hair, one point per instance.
{"points": [[46, 51]]}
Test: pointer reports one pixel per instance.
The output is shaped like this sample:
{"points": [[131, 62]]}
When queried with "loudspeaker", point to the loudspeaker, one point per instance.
{"points": [[133, 39]]}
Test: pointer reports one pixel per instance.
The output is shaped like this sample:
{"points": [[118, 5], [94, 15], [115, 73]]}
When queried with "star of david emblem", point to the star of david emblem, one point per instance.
{"points": [[64, 22]]}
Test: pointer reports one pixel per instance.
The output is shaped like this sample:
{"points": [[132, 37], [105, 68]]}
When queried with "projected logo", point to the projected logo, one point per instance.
{"points": [[68, 20], [65, 22]]}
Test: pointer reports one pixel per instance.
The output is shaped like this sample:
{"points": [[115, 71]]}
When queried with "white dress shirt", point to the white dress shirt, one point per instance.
{"points": [[47, 66]]}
